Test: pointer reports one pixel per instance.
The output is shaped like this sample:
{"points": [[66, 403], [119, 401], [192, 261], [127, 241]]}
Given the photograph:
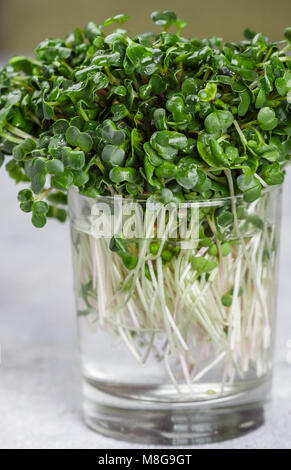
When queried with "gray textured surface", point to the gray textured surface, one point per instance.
{"points": [[39, 375]]}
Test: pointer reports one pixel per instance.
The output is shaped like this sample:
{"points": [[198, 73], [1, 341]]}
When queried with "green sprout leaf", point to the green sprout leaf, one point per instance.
{"points": [[119, 111], [12, 99], [208, 93], [54, 166], [203, 265], [74, 159], [21, 150], [267, 119], [166, 170], [120, 19], [250, 186], [187, 175], [79, 139], [168, 143], [218, 121], [118, 175], [224, 217], [165, 18], [113, 154]]}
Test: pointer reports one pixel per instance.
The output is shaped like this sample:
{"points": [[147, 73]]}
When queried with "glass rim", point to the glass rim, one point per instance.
{"points": [[200, 202]]}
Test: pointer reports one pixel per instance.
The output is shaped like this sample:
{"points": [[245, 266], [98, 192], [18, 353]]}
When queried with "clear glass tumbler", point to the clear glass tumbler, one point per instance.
{"points": [[176, 313]]}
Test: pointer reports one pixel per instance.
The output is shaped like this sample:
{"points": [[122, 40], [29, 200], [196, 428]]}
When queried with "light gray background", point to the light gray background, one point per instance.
{"points": [[39, 372]]}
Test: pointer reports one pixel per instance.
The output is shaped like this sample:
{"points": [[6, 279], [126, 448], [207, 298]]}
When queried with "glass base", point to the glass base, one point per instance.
{"points": [[172, 424]]}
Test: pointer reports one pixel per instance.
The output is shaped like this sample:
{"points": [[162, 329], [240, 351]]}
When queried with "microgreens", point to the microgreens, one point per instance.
{"points": [[157, 114], [160, 118]]}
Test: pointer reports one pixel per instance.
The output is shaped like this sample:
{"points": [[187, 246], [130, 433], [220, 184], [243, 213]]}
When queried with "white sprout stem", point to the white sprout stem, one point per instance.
{"points": [[208, 368], [177, 315]]}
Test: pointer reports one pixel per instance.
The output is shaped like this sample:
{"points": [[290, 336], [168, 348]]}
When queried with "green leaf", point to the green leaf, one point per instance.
{"points": [[130, 261], [218, 153], [80, 178], [91, 31], [100, 81], [248, 75], [132, 189], [56, 145], [26, 206], [57, 213], [57, 198], [208, 93], [245, 101], [160, 119], [35, 169], [246, 180], [15, 172], [191, 86], [267, 119], [203, 147], [243, 62], [261, 99], [60, 126], [116, 19], [223, 217], [281, 86], [168, 143], [256, 221], [113, 154], [166, 170], [249, 34], [163, 195], [250, 186], [225, 249], [25, 64], [21, 150], [253, 194], [266, 81], [119, 111], [272, 174], [118, 246], [232, 153], [203, 265], [38, 220], [63, 181], [117, 90], [11, 99], [48, 111], [187, 175], [119, 174], [226, 300], [25, 195], [177, 107], [165, 18], [143, 58], [148, 174], [157, 84], [54, 167], [217, 121], [40, 207], [153, 157], [145, 91], [79, 139], [74, 159]]}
